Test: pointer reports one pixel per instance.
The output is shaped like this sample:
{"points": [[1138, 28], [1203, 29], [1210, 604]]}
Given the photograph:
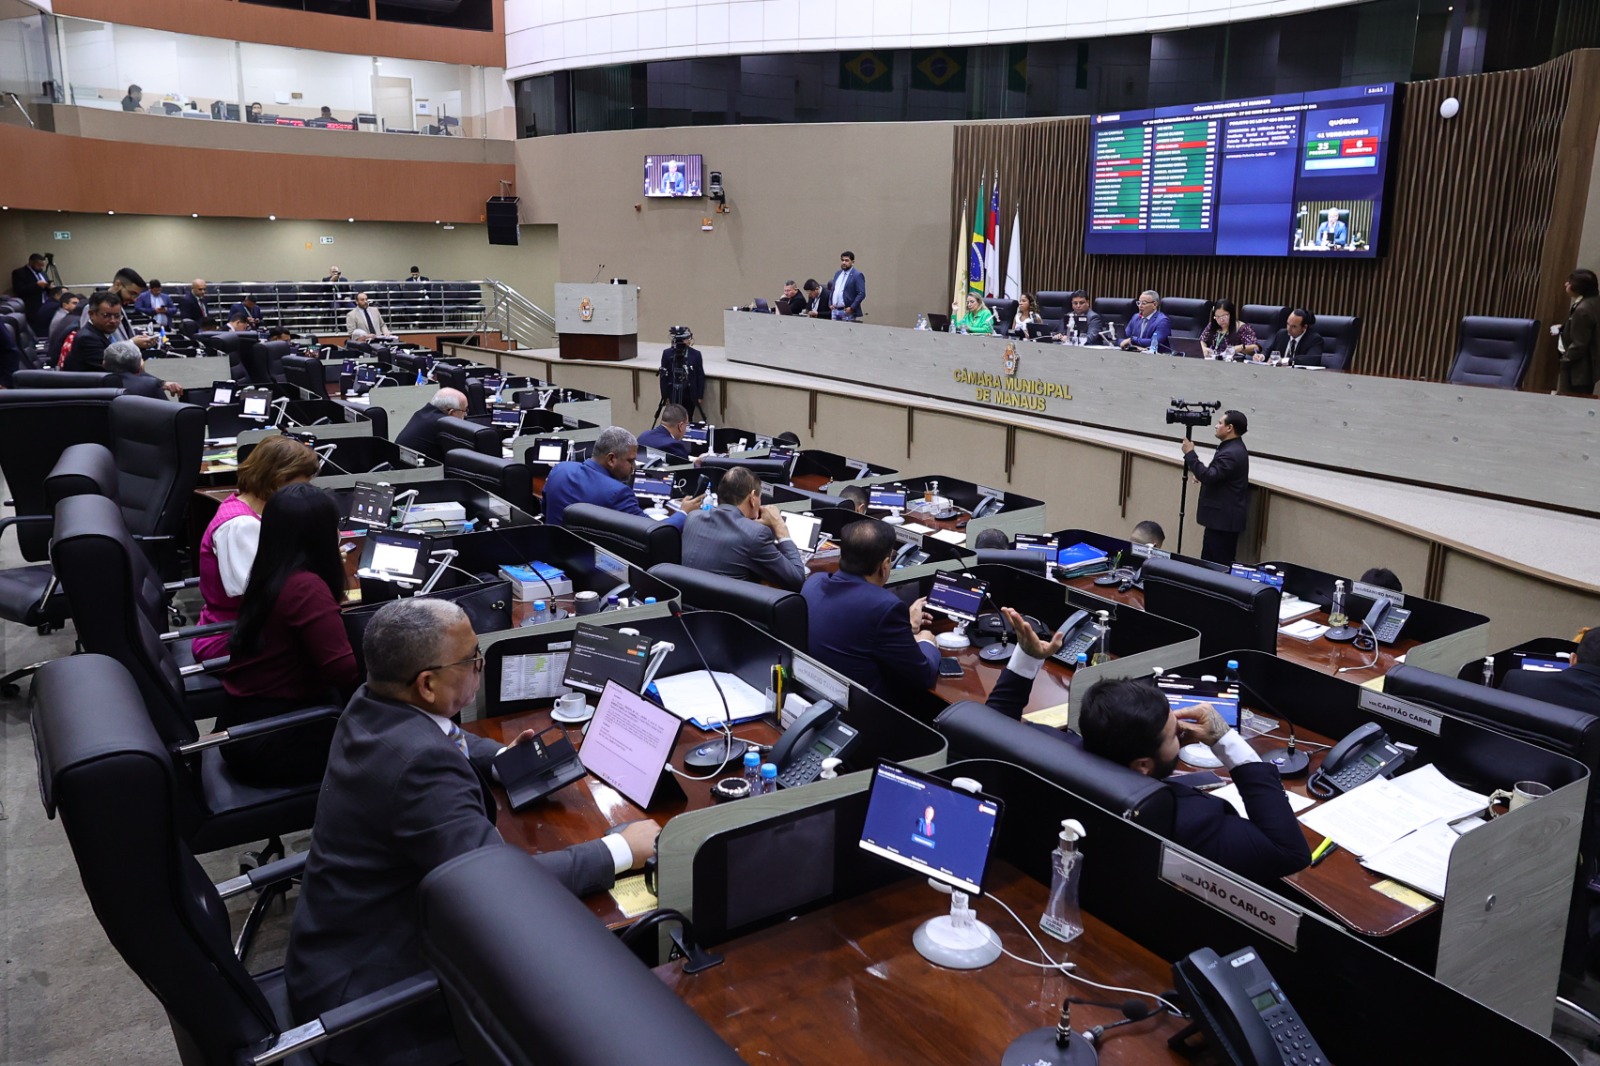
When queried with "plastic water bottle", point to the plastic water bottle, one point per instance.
{"points": [[613, 603], [1062, 919], [1488, 671], [752, 770], [769, 778], [1083, 660], [1231, 678], [541, 613], [1336, 616], [648, 600]]}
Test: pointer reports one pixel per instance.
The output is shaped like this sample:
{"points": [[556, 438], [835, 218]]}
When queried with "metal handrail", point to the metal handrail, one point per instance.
{"points": [[516, 318], [18, 102]]}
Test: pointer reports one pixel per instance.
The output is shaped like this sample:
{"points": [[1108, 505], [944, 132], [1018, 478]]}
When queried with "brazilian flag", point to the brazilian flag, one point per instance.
{"points": [[939, 69], [871, 72]]}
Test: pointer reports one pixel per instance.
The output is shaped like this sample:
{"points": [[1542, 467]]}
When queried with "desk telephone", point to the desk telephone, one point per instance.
{"points": [[1365, 753], [815, 735], [908, 554], [1386, 620], [1235, 1001], [1081, 631]]}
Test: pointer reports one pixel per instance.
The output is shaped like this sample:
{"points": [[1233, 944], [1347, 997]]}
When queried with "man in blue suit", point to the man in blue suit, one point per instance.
{"points": [[847, 289], [1129, 721], [605, 479], [668, 436], [1333, 232], [1149, 329]]}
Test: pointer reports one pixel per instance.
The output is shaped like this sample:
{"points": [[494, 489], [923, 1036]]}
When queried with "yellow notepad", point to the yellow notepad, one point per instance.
{"points": [[632, 897], [1053, 717]]}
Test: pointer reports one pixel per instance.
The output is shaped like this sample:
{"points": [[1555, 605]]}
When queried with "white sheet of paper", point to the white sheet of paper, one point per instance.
{"points": [[692, 695], [1420, 859], [1235, 799], [1444, 797], [951, 536], [1369, 817]]}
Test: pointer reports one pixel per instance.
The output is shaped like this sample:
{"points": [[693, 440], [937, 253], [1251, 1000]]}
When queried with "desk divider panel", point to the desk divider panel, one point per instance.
{"points": [[401, 401], [1510, 659], [1510, 884]]}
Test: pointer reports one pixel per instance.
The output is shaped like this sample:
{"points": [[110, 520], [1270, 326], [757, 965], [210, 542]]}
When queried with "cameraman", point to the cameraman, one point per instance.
{"points": [[1224, 488], [683, 373]]}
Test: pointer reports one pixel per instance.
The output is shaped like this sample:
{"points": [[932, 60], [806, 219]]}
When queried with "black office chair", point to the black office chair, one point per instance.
{"points": [[1265, 319], [773, 470], [1339, 333], [156, 448], [1005, 312], [104, 575], [107, 774], [269, 356], [454, 433], [1115, 310], [777, 611], [306, 373], [508, 479], [1188, 316], [1032, 562], [1054, 304], [1493, 351], [65, 379], [1230, 612], [976, 731], [642, 541], [36, 426], [525, 992]]}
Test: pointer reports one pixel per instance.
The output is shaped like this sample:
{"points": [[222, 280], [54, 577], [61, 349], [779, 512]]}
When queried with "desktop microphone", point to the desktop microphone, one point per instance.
{"points": [[325, 453], [1290, 761], [1053, 1045], [597, 274], [712, 755], [1133, 1010]]}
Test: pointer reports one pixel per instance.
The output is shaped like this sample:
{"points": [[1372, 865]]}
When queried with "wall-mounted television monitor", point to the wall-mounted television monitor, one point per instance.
{"points": [[1297, 174], [673, 175]]}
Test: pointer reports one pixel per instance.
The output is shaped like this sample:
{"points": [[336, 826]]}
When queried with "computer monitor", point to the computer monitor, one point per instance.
{"points": [[254, 401], [958, 596], [550, 450], [1043, 543], [367, 374], [391, 555], [697, 433], [925, 824], [1184, 693], [886, 500], [654, 488], [629, 742], [803, 530], [600, 655], [222, 392], [1540, 664], [510, 417], [372, 503]]}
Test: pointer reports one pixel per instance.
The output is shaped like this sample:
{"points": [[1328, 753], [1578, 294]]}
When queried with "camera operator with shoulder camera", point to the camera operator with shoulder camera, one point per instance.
{"points": [[683, 374], [1224, 486]]}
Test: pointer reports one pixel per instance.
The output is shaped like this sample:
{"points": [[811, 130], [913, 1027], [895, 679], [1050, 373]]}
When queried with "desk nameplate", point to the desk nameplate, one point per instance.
{"points": [[1231, 896], [1399, 710]]}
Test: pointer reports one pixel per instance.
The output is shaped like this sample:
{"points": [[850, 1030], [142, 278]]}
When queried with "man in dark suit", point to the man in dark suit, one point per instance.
{"points": [[683, 373], [1297, 341], [847, 290], [1576, 338], [407, 790], [742, 539], [605, 479], [126, 361], [421, 434], [792, 302], [1578, 686], [192, 304], [1129, 721], [1149, 330], [30, 284], [816, 303], [668, 436], [64, 322], [96, 334], [39, 320], [1224, 488], [861, 629]]}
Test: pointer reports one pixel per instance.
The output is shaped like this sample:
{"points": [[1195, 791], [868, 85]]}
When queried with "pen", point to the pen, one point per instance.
{"points": [[1323, 850]]}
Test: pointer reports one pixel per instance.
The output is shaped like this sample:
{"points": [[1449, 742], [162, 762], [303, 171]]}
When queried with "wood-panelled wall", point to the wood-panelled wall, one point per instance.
{"points": [[1483, 218]]}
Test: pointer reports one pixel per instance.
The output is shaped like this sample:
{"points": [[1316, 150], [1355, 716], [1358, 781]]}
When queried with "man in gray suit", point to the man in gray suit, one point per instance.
{"points": [[406, 791], [740, 538]]}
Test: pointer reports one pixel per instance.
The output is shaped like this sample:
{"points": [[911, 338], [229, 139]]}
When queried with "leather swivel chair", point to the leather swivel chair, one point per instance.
{"points": [[1053, 306], [977, 731], [1265, 319], [1005, 312], [777, 611], [1115, 310], [36, 426], [307, 374], [1340, 334], [1230, 612], [1493, 351], [65, 379], [108, 777], [156, 447], [1188, 316], [506, 478], [1032, 562], [269, 356], [103, 573], [642, 541], [451, 432], [525, 992]]}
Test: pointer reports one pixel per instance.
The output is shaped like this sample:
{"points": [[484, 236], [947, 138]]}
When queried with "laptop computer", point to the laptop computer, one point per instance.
{"points": [[804, 530], [939, 323], [1188, 347]]}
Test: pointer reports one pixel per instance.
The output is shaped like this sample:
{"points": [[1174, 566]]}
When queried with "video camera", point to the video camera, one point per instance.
{"points": [[681, 335], [1191, 413]]}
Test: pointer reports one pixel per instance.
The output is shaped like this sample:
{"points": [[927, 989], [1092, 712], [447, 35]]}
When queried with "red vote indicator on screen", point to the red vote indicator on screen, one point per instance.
{"points": [[1359, 146]]}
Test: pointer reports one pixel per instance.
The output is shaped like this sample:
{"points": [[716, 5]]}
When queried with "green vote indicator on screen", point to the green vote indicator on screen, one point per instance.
{"points": [[1322, 149]]}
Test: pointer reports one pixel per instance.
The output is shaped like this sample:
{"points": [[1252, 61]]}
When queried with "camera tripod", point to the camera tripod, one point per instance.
{"points": [[677, 386]]}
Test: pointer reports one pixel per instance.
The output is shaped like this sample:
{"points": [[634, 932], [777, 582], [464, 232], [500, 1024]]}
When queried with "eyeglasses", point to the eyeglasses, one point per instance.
{"points": [[475, 659]]}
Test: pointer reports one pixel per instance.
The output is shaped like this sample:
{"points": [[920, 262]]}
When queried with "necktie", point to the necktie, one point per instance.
{"points": [[370, 328], [459, 739], [1294, 342]]}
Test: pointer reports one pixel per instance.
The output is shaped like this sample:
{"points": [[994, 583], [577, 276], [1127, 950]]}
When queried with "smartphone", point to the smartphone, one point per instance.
{"points": [[949, 667]]}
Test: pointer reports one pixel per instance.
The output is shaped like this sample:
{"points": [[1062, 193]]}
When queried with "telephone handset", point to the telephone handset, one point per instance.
{"points": [[1366, 752], [1386, 620], [816, 735], [987, 506], [908, 554], [1080, 632], [1237, 1004]]}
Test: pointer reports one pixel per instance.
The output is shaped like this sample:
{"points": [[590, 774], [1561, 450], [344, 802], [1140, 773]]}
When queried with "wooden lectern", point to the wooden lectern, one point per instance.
{"points": [[597, 321]]}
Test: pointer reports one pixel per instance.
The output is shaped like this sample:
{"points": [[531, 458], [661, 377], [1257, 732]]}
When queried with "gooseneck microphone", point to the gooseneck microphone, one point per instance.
{"points": [[597, 273], [715, 754], [1133, 1010]]}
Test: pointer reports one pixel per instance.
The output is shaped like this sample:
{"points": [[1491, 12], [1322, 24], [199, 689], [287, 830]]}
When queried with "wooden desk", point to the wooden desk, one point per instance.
{"points": [[1321, 655], [585, 809], [844, 985], [979, 677]]}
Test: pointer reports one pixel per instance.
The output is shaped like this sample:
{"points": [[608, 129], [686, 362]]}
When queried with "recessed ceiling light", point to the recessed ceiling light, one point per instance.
{"points": [[272, 218], [349, 220], [194, 216], [110, 212]]}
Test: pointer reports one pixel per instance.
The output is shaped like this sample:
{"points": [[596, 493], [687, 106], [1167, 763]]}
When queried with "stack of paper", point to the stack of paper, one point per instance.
{"points": [[1081, 559], [1369, 818], [1291, 607], [951, 536], [1305, 629], [1420, 859], [694, 698], [1235, 798]]}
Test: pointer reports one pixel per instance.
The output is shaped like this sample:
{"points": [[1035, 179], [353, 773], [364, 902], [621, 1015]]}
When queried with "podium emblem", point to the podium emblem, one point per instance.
{"points": [[586, 310], [1011, 358]]}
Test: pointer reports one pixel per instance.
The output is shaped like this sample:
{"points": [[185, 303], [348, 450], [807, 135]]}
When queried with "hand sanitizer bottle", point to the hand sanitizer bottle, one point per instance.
{"points": [[1062, 918]]}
